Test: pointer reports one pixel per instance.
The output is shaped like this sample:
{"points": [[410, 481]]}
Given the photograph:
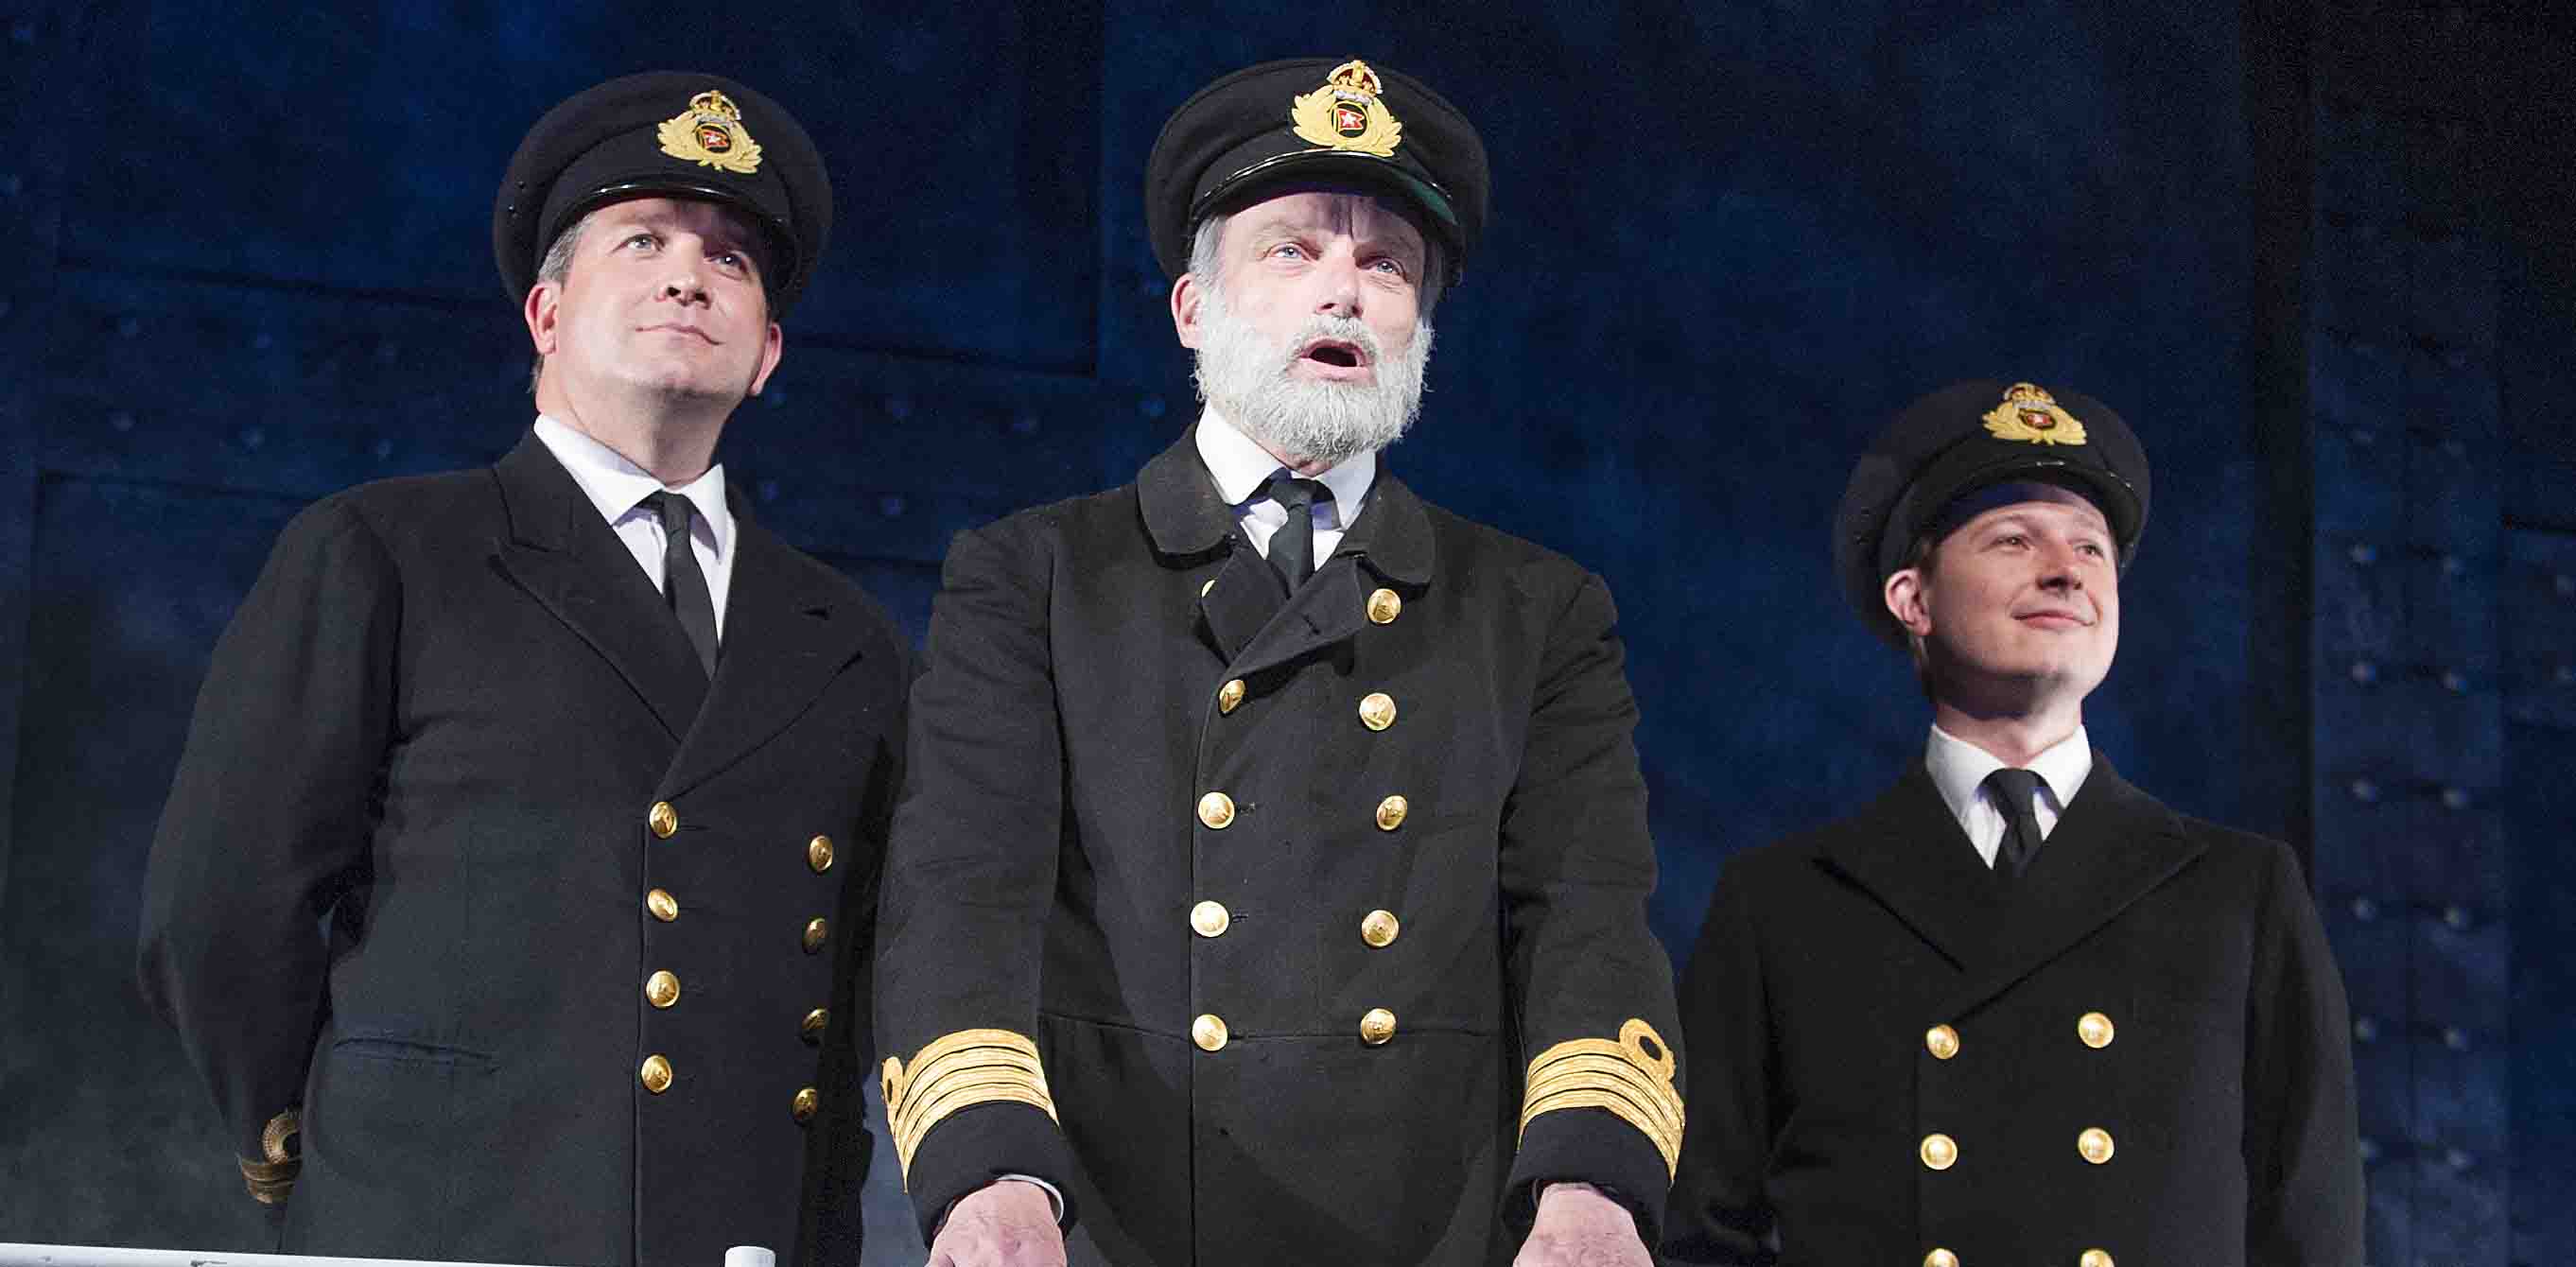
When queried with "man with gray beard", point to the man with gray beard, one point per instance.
{"points": [[1271, 883]]}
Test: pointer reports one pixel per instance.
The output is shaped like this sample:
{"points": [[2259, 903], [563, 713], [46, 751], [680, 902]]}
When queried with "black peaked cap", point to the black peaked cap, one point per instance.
{"points": [[676, 134], [1315, 120]]}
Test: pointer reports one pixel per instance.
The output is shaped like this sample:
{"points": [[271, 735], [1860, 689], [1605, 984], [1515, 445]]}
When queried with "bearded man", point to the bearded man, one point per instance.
{"points": [[1271, 887]]}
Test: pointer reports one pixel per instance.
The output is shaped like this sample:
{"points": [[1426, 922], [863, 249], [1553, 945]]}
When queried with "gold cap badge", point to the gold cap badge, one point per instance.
{"points": [[1345, 114], [710, 134], [2032, 417]]}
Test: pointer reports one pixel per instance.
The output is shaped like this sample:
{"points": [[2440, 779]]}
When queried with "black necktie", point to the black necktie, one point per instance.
{"points": [[1292, 548], [682, 583], [2014, 790]]}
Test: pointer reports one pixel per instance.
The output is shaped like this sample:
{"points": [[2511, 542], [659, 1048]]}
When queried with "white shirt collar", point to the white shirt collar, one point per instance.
{"points": [[1241, 467], [1959, 768], [614, 485]]}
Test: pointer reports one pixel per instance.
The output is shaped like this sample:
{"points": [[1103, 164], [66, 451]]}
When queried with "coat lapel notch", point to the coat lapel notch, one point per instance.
{"points": [[1908, 853], [783, 641], [2114, 845], [567, 558]]}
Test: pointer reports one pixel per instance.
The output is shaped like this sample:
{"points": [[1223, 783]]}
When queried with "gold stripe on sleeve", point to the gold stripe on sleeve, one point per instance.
{"points": [[958, 1071], [1631, 1077]]}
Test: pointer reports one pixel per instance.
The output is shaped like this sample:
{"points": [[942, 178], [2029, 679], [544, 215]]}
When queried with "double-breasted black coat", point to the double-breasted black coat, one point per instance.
{"points": [[2135, 1054], [444, 719], [1427, 808]]}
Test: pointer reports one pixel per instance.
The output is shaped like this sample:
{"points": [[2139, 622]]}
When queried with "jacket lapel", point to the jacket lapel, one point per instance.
{"points": [[1908, 853], [2114, 845], [566, 557], [1389, 544], [785, 637]]}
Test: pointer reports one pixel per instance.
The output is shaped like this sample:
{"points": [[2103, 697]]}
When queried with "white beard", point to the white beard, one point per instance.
{"points": [[1247, 377]]}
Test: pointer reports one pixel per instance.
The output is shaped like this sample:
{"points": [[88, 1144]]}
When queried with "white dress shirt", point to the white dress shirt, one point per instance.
{"points": [[616, 486], [1241, 467], [1959, 769]]}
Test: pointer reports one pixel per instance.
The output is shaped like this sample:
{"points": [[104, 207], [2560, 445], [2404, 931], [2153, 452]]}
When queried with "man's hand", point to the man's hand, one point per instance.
{"points": [[1006, 1223], [1579, 1227]]}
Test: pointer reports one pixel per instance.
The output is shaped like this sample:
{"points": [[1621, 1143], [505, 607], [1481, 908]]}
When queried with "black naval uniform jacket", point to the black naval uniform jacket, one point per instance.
{"points": [[1099, 666], [444, 718], [1897, 1059]]}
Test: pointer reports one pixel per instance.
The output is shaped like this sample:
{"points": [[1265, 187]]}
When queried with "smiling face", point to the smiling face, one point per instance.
{"points": [[2018, 608], [1306, 313], [663, 301]]}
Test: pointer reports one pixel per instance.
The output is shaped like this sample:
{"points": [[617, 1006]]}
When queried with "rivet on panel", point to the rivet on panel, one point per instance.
{"points": [[383, 448], [2364, 909], [2363, 554], [2365, 791], [2454, 681], [2455, 918], [2455, 798], [2365, 672], [2365, 1030], [2369, 1151], [2459, 1159], [2455, 1038]]}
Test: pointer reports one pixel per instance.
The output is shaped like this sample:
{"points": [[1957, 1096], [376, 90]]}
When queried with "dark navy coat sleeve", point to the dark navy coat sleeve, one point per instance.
{"points": [[269, 819], [1578, 865]]}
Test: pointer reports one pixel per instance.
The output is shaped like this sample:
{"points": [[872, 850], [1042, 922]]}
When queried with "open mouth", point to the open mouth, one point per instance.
{"points": [[1337, 353]]}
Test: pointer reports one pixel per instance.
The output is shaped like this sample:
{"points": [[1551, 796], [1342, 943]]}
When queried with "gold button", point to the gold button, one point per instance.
{"points": [[1211, 584], [811, 1028], [662, 989], [1377, 1026], [1377, 710], [1230, 696], [1383, 607], [1208, 1031], [664, 906], [1378, 928], [817, 931], [1940, 1258], [656, 1074], [664, 820], [807, 1103], [2095, 1144], [1216, 809], [1390, 813], [2095, 1029], [818, 854], [2094, 1258], [1210, 919], [1942, 1041], [1940, 1152]]}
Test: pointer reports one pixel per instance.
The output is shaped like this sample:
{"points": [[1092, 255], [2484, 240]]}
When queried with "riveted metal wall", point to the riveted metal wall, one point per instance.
{"points": [[2409, 744]]}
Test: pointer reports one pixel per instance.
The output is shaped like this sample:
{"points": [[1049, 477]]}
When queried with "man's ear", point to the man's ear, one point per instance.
{"points": [[769, 357], [1187, 294], [1905, 594], [545, 304]]}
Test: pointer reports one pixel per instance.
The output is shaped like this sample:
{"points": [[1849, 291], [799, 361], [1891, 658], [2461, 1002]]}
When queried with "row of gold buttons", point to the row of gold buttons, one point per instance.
{"points": [[1211, 919], [2092, 1029], [1217, 812], [2090, 1258], [1377, 1025], [657, 1075], [1940, 1152]]}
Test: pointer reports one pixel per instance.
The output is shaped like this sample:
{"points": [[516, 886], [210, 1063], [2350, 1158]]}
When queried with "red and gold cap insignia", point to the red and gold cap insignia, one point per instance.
{"points": [[2032, 417], [1345, 114], [710, 134]]}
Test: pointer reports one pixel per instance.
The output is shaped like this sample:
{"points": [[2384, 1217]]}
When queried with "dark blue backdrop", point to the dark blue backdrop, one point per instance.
{"points": [[2314, 252]]}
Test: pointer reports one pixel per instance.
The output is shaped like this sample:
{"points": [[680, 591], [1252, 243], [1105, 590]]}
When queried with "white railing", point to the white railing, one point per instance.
{"points": [[12, 1255]]}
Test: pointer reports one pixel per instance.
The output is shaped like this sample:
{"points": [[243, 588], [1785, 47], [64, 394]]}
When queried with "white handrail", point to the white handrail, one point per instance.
{"points": [[17, 1255]]}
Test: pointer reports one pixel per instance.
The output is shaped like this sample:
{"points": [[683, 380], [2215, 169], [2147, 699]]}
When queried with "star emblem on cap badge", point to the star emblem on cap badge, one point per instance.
{"points": [[1345, 114], [710, 134], [2032, 417]]}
